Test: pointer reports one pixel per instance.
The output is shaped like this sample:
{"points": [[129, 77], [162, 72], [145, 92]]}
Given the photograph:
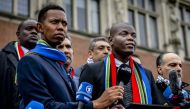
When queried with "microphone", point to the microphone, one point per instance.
{"points": [[123, 77], [84, 94], [34, 105], [175, 82], [123, 74]]}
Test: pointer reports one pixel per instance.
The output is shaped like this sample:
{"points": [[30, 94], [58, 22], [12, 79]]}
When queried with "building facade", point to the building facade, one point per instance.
{"points": [[161, 25]]}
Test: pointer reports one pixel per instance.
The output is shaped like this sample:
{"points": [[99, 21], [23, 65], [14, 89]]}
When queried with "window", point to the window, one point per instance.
{"points": [[184, 31], [6, 6], [181, 36], [141, 3], [187, 16], [181, 16], [23, 7], [153, 33], [131, 17], [94, 16], [81, 15], [130, 1], [68, 11], [142, 14], [151, 5], [142, 29]]}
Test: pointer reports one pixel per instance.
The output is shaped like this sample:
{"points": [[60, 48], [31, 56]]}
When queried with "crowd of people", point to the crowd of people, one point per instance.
{"points": [[38, 67]]}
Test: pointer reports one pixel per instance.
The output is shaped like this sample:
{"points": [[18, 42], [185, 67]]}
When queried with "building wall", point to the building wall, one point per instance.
{"points": [[7, 32]]}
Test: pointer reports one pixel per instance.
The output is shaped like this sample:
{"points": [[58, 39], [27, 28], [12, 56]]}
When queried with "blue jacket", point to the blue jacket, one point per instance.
{"points": [[46, 81]]}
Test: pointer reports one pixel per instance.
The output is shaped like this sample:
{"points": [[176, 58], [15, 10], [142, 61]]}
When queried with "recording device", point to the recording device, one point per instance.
{"points": [[178, 95], [175, 82], [123, 77], [123, 74], [84, 94], [34, 105]]}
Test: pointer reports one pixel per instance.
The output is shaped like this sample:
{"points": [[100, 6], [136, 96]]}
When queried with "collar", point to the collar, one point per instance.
{"points": [[118, 62], [162, 79], [25, 50], [89, 61]]}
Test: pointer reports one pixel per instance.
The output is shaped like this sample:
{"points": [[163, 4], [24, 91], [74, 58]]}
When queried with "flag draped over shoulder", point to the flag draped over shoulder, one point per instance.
{"points": [[44, 49]]}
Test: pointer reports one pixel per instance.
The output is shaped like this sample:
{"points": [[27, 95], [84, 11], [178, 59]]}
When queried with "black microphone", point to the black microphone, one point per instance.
{"points": [[174, 82], [123, 74], [123, 77], [84, 94]]}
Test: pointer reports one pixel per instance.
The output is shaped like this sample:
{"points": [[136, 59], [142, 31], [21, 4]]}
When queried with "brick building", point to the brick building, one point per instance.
{"points": [[161, 25]]}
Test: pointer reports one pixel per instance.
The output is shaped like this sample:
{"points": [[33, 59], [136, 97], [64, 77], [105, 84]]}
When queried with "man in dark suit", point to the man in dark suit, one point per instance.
{"points": [[119, 68], [27, 36], [169, 80], [98, 49], [42, 74]]}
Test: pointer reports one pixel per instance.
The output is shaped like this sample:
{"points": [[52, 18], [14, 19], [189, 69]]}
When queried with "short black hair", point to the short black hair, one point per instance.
{"points": [[44, 10], [159, 59], [94, 40], [21, 24], [115, 27]]}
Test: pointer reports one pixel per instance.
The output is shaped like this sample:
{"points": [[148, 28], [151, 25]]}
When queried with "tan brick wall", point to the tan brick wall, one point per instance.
{"points": [[80, 50], [7, 32]]}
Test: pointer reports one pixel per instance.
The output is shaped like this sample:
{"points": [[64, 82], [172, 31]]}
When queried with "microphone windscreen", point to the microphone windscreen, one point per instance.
{"points": [[35, 105], [174, 83], [124, 73], [84, 92]]}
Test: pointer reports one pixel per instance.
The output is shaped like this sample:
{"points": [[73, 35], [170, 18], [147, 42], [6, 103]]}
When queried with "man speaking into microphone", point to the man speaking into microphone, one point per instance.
{"points": [[169, 68], [140, 87]]}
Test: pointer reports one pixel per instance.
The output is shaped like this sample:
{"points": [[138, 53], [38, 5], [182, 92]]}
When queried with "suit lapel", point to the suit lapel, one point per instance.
{"points": [[63, 75]]}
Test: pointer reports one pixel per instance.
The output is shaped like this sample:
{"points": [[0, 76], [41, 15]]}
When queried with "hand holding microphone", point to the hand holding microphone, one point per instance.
{"points": [[108, 97]]}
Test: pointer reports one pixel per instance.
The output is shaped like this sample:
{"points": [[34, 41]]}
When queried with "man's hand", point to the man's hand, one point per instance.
{"points": [[109, 96]]}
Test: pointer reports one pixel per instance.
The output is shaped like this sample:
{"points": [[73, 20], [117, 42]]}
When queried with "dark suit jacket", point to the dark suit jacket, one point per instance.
{"points": [[95, 74], [8, 89], [46, 81]]}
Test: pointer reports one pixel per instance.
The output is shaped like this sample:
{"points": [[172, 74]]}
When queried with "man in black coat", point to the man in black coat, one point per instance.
{"points": [[98, 49], [10, 55], [120, 69]]}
